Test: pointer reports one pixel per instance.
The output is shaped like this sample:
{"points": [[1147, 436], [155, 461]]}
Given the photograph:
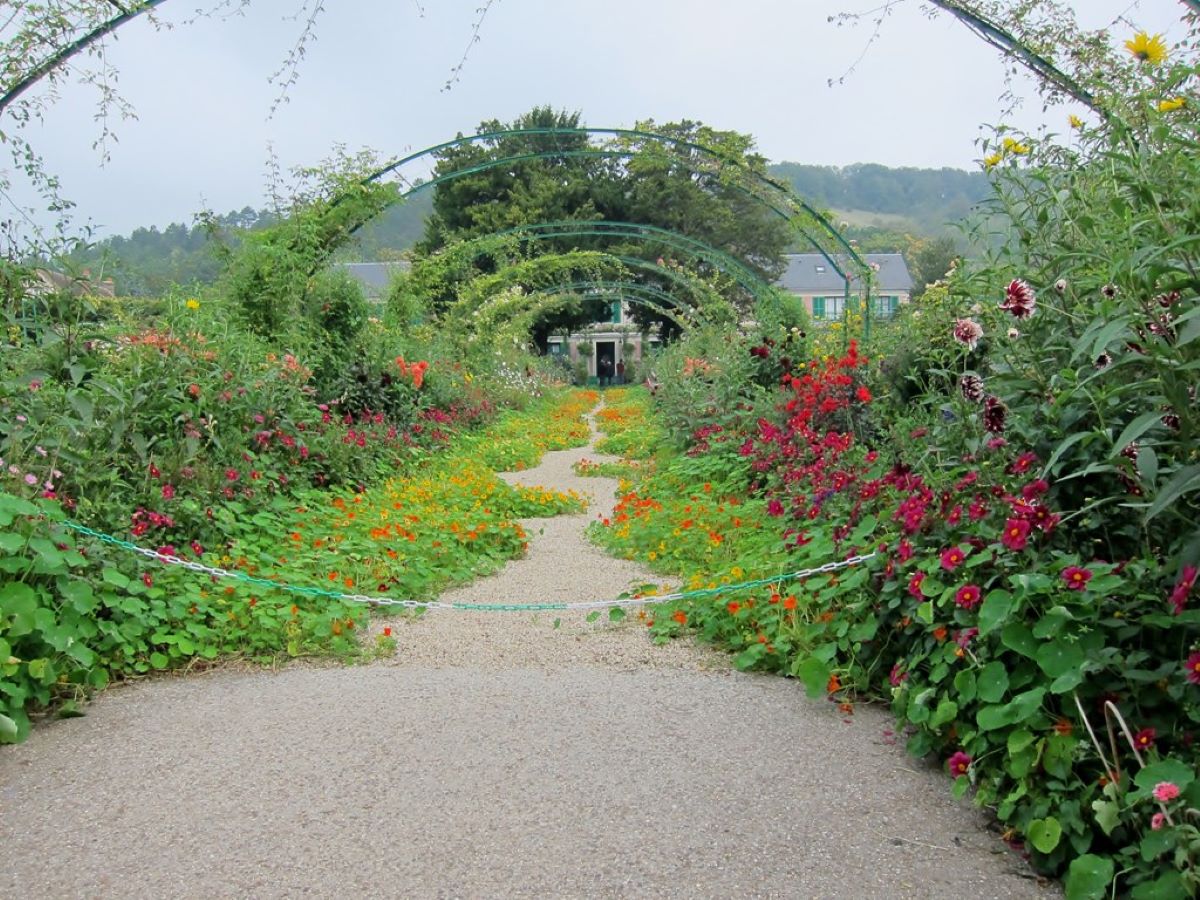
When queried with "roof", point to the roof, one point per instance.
{"points": [[811, 273], [374, 276], [83, 285]]}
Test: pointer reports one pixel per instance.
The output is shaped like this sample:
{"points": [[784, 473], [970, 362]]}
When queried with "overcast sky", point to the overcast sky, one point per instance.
{"points": [[374, 78]]}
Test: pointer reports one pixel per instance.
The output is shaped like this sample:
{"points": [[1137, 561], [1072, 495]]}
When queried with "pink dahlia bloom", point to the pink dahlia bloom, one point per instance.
{"points": [[1166, 791], [968, 332]]}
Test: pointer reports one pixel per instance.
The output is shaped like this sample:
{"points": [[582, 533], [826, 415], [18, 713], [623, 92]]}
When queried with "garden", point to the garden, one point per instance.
{"points": [[982, 512]]}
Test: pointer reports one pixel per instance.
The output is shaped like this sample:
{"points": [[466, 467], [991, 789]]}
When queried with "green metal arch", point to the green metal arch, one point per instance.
{"points": [[634, 291]]}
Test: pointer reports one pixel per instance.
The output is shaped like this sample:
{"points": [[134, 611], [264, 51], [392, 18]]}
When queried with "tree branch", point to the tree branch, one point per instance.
{"points": [[66, 53]]}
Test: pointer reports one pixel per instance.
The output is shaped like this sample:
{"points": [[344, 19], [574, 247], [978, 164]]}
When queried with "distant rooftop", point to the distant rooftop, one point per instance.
{"points": [[811, 273], [374, 276]]}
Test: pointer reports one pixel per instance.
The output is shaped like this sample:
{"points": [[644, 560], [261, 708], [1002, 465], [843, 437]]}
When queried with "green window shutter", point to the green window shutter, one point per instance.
{"points": [[818, 307], [616, 312]]}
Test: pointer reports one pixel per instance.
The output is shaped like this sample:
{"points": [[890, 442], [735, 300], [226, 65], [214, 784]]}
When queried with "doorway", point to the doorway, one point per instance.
{"points": [[606, 361]]}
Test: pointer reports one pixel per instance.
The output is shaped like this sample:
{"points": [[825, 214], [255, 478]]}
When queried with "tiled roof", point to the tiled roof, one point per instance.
{"points": [[811, 273]]}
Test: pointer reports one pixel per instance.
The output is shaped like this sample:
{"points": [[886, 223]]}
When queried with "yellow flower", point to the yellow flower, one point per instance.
{"points": [[990, 162], [1148, 48], [193, 303], [1171, 105], [1011, 146], [1074, 121]]}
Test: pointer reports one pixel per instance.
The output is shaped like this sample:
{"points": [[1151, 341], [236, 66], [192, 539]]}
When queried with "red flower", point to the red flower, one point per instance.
{"points": [[168, 492], [896, 677], [1023, 463], [1019, 299], [680, 616], [952, 559], [387, 630], [959, 763], [1016, 534], [1144, 739], [733, 606], [863, 394], [1193, 668], [1183, 587], [914, 585], [148, 579], [968, 596], [1076, 578], [231, 475], [994, 414]]}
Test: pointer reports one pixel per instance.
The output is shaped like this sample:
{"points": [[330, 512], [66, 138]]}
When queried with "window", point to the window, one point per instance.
{"points": [[827, 308], [556, 348], [885, 307]]}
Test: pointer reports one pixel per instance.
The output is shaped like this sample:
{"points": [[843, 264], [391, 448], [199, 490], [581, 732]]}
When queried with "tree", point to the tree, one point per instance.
{"points": [[930, 261], [630, 179]]}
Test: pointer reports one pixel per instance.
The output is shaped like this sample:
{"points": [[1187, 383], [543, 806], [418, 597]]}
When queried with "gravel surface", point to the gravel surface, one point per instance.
{"points": [[493, 756]]}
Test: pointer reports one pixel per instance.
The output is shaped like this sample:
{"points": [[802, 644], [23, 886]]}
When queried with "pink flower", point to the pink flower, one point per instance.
{"points": [[1019, 299], [1157, 821], [1016, 534], [1076, 578], [968, 596], [168, 491], [1023, 463], [1166, 791], [959, 763], [952, 559], [964, 637], [774, 507], [148, 579], [896, 677], [968, 332], [1183, 587], [31, 479]]}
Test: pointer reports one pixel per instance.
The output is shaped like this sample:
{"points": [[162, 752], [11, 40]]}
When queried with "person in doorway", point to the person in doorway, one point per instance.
{"points": [[604, 370], [620, 371]]}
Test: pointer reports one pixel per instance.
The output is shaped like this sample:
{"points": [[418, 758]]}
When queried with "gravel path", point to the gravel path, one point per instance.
{"points": [[494, 756]]}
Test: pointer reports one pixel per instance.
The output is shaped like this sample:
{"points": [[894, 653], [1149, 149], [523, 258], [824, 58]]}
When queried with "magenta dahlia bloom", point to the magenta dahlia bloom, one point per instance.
{"points": [[1016, 534], [1183, 587], [959, 763], [1019, 299], [1076, 578], [952, 559], [1192, 667], [968, 596]]}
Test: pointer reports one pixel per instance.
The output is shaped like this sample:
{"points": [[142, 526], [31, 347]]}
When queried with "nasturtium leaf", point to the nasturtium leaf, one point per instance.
{"points": [[1016, 636], [992, 682], [1059, 657], [814, 673], [1089, 876], [8, 728], [1044, 834], [996, 607]]}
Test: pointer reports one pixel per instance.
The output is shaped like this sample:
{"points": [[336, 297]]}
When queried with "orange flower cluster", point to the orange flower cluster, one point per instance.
{"points": [[416, 371]]}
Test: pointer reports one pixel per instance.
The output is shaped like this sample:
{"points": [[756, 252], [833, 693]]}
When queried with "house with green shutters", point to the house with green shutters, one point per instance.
{"points": [[810, 277]]}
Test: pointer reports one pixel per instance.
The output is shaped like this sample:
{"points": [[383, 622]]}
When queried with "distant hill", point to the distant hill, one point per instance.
{"points": [[924, 200], [882, 208]]}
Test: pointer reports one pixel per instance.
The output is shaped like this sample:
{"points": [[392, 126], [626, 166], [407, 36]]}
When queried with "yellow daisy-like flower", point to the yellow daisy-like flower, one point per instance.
{"points": [[1075, 122], [1171, 105], [1148, 48], [990, 162], [1011, 146], [193, 304]]}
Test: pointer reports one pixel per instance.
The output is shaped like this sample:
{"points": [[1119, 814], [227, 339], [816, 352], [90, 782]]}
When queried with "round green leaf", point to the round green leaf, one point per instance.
{"points": [[1059, 657], [8, 728], [1089, 877], [1045, 834]]}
